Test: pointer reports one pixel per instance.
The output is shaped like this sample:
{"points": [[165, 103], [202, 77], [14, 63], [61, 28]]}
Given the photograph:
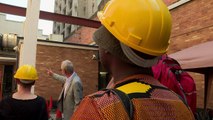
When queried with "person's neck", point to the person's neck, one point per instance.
{"points": [[122, 71], [24, 93], [69, 74]]}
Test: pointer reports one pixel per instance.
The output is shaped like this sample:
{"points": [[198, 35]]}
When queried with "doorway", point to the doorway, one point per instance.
{"points": [[7, 80]]}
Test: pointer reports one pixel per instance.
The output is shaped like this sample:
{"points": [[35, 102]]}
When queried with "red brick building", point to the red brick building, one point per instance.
{"points": [[50, 55]]}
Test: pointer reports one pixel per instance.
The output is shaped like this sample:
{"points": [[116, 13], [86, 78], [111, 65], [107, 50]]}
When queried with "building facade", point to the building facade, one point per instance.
{"points": [[15, 27], [77, 8], [51, 54]]}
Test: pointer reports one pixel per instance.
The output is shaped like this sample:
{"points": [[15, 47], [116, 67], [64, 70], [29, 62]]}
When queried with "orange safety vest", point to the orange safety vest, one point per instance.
{"points": [[150, 99]]}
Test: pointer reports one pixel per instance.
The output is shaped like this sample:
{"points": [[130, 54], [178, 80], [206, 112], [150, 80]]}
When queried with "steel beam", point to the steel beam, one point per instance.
{"points": [[9, 9]]}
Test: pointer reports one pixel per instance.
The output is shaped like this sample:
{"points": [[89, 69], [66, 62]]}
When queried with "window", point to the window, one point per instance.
{"points": [[93, 6], [76, 11], [68, 30], [58, 29], [70, 4], [70, 13], [76, 7], [64, 11], [56, 4], [63, 34], [63, 25], [59, 7], [84, 9]]}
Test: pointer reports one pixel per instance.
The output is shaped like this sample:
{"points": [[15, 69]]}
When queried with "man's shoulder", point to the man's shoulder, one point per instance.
{"points": [[76, 78], [40, 98], [98, 93]]}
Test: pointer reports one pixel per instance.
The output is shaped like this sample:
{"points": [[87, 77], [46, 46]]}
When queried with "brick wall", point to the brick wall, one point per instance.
{"points": [[82, 36], [193, 24], [169, 2], [199, 81], [51, 57]]}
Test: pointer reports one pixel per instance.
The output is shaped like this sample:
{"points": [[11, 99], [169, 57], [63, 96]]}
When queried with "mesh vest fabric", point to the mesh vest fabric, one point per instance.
{"points": [[156, 103]]}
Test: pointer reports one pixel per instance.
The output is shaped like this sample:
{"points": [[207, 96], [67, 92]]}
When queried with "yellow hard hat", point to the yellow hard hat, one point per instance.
{"points": [[26, 72], [144, 25]]}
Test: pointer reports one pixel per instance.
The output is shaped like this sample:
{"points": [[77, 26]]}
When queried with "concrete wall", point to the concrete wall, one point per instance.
{"points": [[10, 26], [50, 55], [15, 27]]}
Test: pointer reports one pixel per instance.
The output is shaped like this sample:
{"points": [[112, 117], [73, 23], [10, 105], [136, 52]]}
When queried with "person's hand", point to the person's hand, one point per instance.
{"points": [[49, 72]]}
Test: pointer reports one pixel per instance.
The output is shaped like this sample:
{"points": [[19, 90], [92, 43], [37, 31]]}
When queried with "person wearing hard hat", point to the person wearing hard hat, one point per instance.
{"points": [[24, 105], [133, 35]]}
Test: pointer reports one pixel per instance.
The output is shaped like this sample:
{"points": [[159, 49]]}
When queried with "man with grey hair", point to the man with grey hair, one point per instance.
{"points": [[72, 91]]}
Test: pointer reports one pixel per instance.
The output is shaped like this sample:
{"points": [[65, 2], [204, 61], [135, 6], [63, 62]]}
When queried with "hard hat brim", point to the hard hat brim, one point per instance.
{"points": [[107, 41]]}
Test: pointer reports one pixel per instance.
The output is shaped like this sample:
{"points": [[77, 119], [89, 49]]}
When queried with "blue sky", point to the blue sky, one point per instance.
{"points": [[45, 5]]}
